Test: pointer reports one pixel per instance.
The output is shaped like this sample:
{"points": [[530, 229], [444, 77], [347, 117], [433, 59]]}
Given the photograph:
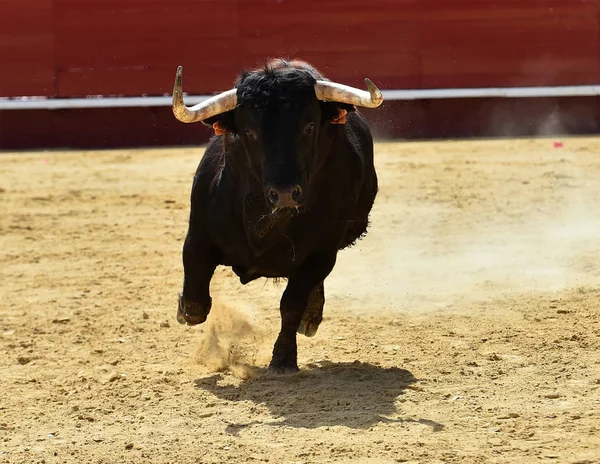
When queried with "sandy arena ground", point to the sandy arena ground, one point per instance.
{"points": [[465, 328]]}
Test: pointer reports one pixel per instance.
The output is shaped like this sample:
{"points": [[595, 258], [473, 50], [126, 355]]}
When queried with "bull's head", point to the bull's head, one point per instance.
{"points": [[280, 114]]}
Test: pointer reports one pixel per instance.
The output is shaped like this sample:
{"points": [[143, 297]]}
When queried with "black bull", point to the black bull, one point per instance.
{"points": [[288, 182]]}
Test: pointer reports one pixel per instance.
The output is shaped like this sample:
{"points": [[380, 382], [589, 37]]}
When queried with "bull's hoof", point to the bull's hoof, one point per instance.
{"points": [[310, 323], [283, 364], [313, 314], [282, 370], [192, 312]]}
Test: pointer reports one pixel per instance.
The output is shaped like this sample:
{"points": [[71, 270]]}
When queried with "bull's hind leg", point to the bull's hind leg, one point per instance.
{"points": [[200, 259], [313, 314], [294, 302]]}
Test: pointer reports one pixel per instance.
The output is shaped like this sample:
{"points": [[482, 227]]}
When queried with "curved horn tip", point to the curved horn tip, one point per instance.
{"points": [[179, 74], [376, 94], [177, 102]]}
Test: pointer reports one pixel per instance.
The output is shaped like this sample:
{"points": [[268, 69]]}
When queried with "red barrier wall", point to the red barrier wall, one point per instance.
{"points": [[75, 48], [27, 48], [66, 48]]}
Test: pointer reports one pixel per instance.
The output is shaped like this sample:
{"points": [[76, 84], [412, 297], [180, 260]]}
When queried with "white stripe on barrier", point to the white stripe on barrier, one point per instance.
{"points": [[35, 103]]}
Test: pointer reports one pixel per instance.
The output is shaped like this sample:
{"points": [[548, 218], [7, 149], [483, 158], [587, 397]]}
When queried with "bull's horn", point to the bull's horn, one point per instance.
{"points": [[341, 93], [210, 107]]}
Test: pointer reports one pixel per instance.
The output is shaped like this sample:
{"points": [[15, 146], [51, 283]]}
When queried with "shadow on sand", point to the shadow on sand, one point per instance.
{"points": [[356, 395]]}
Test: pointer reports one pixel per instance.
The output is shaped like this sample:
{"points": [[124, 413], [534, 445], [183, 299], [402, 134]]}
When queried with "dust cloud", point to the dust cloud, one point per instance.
{"points": [[441, 255], [230, 341]]}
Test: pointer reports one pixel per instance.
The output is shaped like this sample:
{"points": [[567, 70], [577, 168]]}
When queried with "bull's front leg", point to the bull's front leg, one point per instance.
{"points": [[200, 259], [294, 302]]}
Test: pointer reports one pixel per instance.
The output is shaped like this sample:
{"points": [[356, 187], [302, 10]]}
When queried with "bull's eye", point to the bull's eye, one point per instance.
{"points": [[250, 134], [309, 128]]}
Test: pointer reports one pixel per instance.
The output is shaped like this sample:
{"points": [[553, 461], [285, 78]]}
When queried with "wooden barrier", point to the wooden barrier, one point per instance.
{"points": [[74, 48], [68, 48]]}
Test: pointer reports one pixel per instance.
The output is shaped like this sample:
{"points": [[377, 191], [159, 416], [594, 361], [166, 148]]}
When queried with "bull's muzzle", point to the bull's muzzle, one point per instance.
{"points": [[285, 197]]}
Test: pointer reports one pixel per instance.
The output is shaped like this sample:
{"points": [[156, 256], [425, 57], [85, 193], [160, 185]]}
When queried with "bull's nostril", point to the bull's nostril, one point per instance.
{"points": [[273, 196], [297, 194]]}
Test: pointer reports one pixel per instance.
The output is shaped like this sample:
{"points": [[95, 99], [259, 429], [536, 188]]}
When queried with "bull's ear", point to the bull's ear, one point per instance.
{"points": [[335, 113], [222, 123]]}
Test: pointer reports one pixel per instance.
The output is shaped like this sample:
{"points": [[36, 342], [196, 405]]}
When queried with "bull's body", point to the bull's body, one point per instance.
{"points": [[233, 223]]}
